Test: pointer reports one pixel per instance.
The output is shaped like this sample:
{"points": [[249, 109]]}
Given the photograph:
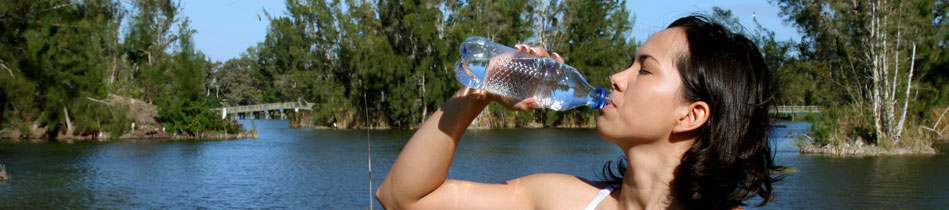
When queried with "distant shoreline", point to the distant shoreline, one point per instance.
{"points": [[156, 137]]}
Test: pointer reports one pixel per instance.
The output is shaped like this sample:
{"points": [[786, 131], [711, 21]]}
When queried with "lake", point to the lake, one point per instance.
{"points": [[328, 169]]}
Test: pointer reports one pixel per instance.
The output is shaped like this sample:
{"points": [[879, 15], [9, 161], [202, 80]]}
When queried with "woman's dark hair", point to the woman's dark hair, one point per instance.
{"points": [[730, 160]]}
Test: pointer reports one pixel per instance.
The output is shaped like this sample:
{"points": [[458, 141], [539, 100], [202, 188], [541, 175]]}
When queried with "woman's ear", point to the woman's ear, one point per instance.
{"points": [[695, 116]]}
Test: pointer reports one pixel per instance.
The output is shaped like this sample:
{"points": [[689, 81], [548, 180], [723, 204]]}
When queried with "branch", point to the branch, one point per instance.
{"points": [[6, 16], [940, 118], [59, 6], [835, 82], [8, 69], [97, 100]]}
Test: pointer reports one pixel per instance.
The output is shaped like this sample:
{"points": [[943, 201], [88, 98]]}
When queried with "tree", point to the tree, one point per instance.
{"points": [[185, 110], [868, 50], [393, 61], [235, 83], [148, 38], [52, 57]]}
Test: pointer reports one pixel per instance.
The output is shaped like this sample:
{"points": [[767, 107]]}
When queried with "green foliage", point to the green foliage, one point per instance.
{"points": [[63, 61], [235, 83], [933, 84], [179, 81], [186, 110], [118, 123], [53, 54], [854, 57], [821, 130], [391, 59], [593, 39], [146, 42], [395, 59], [192, 118]]}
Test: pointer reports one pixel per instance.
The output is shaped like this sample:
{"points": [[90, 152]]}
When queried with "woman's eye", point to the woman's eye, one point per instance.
{"points": [[644, 71]]}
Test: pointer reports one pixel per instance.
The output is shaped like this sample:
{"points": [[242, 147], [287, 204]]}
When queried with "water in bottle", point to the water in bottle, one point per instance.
{"points": [[508, 72]]}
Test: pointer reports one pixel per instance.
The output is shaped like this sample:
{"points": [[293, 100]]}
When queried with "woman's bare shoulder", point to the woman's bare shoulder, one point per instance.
{"points": [[564, 180], [559, 190]]}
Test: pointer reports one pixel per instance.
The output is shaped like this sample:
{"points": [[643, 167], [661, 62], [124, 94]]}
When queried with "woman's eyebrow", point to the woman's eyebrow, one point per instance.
{"points": [[642, 58]]}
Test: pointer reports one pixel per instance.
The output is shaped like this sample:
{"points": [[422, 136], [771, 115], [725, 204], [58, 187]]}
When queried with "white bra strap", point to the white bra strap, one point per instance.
{"points": [[599, 197]]}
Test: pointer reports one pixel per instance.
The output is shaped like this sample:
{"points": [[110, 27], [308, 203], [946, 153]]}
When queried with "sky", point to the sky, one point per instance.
{"points": [[226, 28]]}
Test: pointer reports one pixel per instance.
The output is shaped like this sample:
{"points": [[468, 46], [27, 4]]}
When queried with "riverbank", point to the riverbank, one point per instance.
{"points": [[859, 148], [805, 142], [142, 124], [864, 150], [150, 137], [175, 136]]}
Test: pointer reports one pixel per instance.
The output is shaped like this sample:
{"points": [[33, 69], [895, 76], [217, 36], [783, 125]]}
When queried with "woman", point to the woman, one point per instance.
{"points": [[691, 114]]}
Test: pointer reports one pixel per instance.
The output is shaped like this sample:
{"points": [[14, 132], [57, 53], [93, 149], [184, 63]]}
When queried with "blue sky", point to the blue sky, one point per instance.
{"points": [[227, 27]]}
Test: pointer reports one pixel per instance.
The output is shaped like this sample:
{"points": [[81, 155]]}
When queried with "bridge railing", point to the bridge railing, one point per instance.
{"points": [[796, 109], [270, 106]]}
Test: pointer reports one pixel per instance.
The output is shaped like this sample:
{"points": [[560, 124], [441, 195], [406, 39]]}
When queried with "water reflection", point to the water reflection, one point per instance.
{"points": [[859, 182]]}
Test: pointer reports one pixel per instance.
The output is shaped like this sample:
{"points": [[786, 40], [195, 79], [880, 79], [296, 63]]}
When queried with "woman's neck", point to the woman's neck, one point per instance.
{"points": [[649, 172]]}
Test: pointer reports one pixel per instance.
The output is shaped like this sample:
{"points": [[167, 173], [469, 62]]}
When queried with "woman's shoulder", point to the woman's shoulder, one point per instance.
{"points": [[564, 180], [555, 191]]}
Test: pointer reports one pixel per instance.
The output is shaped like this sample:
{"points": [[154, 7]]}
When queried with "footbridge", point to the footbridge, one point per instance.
{"points": [[265, 108], [784, 109]]}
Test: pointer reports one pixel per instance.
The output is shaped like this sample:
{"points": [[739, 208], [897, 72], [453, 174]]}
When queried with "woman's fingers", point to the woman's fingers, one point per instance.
{"points": [[538, 51], [557, 57], [522, 47], [526, 105]]}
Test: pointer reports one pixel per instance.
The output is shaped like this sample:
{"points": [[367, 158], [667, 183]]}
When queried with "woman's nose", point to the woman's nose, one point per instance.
{"points": [[617, 81]]}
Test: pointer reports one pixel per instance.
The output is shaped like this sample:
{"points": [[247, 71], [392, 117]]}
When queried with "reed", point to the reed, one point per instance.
{"points": [[3, 174]]}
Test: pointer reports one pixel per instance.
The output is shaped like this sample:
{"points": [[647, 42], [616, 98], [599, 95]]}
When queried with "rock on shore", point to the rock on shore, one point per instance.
{"points": [[860, 149]]}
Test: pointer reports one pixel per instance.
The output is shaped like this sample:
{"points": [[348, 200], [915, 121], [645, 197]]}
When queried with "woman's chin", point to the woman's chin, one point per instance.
{"points": [[611, 130], [603, 128], [603, 120]]}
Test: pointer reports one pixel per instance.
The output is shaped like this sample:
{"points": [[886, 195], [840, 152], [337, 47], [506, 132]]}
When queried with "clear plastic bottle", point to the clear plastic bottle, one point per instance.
{"points": [[508, 72]]}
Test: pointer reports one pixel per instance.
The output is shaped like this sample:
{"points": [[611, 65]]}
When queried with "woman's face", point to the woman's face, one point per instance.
{"points": [[647, 97]]}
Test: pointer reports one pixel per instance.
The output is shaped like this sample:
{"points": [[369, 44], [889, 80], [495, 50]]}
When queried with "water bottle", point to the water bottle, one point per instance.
{"points": [[508, 72]]}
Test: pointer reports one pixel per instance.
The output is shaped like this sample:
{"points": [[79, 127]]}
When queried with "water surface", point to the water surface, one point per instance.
{"points": [[328, 169]]}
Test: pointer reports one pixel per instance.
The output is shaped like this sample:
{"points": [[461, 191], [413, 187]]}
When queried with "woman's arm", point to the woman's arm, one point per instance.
{"points": [[424, 161], [417, 178], [422, 166]]}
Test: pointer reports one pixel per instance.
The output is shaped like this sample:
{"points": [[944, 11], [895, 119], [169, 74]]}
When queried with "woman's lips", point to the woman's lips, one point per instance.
{"points": [[610, 105]]}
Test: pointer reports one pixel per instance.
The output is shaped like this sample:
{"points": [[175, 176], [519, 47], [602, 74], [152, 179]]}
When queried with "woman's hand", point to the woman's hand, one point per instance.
{"points": [[526, 105]]}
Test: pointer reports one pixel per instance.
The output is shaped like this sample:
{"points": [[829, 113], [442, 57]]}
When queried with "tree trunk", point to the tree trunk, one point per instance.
{"points": [[68, 122], [909, 82], [422, 96]]}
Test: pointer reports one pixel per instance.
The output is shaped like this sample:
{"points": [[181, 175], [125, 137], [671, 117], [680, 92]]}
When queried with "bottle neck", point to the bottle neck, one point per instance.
{"points": [[599, 98]]}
